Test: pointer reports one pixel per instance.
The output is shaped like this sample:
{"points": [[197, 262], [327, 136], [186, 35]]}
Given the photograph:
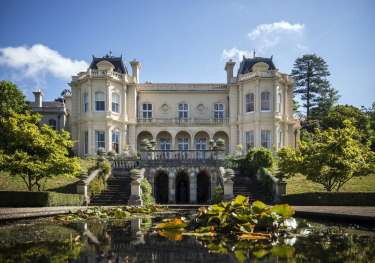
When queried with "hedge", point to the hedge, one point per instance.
{"points": [[331, 199], [37, 199]]}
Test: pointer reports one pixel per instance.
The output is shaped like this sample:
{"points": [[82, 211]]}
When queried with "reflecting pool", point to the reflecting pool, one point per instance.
{"points": [[135, 240]]}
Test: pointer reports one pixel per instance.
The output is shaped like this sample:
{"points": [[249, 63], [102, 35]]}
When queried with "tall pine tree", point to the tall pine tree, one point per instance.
{"points": [[310, 73]]}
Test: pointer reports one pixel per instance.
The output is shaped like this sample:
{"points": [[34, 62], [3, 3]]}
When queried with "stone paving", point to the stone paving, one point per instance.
{"points": [[346, 213]]}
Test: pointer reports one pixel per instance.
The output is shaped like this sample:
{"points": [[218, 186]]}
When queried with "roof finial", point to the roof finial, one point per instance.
{"points": [[254, 53]]}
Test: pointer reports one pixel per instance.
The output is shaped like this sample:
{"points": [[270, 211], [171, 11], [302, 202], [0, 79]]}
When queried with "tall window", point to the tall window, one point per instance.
{"points": [[278, 102], [86, 145], [147, 111], [183, 144], [52, 123], [115, 102], [99, 140], [219, 111], [183, 111], [249, 140], [250, 103], [280, 138], [265, 103], [165, 146], [85, 102], [99, 101], [266, 140], [116, 141], [201, 146]]}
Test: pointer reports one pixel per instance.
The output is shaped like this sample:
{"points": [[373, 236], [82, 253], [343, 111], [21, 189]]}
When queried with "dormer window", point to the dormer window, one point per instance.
{"points": [[99, 101]]}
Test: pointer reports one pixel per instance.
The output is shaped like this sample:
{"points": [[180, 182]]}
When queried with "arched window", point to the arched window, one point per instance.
{"points": [[265, 103], [99, 101], [85, 102], [115, 102], [52, 123], [250, 102]]}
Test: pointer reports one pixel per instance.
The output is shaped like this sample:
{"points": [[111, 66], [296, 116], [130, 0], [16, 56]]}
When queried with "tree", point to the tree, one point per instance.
{"points": [[327, 98], [310, 73], [331, 157], [11, 99], [34, 152]]}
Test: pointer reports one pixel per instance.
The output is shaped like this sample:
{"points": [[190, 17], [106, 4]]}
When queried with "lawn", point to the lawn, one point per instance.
{"points": [[299, 184], [15, 183]]}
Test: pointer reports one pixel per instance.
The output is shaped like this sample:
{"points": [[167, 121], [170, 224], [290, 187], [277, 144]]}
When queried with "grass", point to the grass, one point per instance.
{"points": [[299, 184], [15, 183]]}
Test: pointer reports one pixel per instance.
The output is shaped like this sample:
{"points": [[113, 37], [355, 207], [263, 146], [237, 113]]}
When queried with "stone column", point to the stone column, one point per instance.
{"points": [[172, 187], [193, 187], [228, 184], [135, 187]]}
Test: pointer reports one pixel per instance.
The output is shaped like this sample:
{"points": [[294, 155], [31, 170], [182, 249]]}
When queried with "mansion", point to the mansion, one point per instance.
{"points": [[109, 108]]}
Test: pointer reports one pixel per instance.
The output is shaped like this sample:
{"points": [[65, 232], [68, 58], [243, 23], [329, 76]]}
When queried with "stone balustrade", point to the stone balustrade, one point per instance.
{"points": [[135, 187]]}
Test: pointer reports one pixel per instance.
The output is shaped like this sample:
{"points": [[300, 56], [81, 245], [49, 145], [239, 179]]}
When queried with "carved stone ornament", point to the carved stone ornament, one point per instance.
{"points": [[164, 108], [201, 108]]}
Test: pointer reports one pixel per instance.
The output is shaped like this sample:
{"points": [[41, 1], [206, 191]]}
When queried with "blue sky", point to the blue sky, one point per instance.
{"points": [[43, 42]]}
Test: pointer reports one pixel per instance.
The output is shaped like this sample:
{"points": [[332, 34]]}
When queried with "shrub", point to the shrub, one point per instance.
{"points": [[146, 188], [36, 199], [218, 195], [262, 157]]}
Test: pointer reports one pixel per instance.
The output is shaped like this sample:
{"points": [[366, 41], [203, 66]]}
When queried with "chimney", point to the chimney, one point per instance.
{"points": [[38, 98], [136, 65], [229, 69]]}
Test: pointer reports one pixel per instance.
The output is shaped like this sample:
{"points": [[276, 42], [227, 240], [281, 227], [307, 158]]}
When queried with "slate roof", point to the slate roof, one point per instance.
{"points": [[49, 104], [116, 61], [247, 64]]}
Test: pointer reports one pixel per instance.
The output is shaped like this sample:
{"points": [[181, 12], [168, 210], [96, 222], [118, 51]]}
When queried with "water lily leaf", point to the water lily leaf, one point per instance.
{"points": [[259, 206], [260, 253], [172, 224], [240, 255], [283, 210], [254, 236], [283, 251], [171, 235], [218, 248]]}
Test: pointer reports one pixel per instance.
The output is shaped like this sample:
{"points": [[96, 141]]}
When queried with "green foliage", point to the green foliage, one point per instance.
{"points": [[310, 73], [261, 157], [99, 183], [218, 194], [331, 157], [147, 198], [34, 152], [36, 199], [12, 99]]}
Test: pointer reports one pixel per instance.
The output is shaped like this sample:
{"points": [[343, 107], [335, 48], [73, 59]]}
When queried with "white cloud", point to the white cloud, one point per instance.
{"points": [[266, 36], [38, 60], [235, 54]]}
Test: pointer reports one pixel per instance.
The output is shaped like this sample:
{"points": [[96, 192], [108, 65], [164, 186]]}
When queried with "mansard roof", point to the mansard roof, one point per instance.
{"points": [[248, 63], [116, 62]]}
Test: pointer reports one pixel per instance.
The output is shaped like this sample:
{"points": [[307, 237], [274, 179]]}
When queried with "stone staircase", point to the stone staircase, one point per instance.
{"points": [[249, 186], [118, 189]]}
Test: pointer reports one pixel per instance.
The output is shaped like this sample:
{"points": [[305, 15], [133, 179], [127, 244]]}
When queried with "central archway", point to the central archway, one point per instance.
{"points": [[182, 188], [203, 187], [161, 187]]}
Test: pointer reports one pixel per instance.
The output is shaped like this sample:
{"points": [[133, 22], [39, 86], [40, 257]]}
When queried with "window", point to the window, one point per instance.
{"points": [[52, 123], [85, 102], [115, 141], [183, 111], [249, 140], [250, 103], [201, 146], [278, 102], [99, 101], [165, 145], [280, 138], [183, 144], [266, 140], [147, 111], [265, 103], [115, 102], [86, 143], [99, 140], [219, 111]]}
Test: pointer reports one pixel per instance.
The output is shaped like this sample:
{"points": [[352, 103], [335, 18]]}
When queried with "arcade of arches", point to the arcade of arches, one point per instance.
{"points": [[182, 186]]}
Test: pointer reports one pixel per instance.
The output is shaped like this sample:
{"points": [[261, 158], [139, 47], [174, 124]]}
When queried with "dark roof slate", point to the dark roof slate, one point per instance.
{"points": [[248, 63], [48, 104], [116, 61]]}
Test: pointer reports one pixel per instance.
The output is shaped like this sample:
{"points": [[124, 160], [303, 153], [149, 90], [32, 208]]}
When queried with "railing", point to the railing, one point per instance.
{"points": [[172, 158], [184, 121], [99, 73]]}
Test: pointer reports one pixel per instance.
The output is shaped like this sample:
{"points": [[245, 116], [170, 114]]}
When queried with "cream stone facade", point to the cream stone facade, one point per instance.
{"points": [[111, 109]]}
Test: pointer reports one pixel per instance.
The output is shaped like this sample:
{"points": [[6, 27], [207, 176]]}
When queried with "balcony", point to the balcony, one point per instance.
{"points": [[184, 121], [171, 158]]}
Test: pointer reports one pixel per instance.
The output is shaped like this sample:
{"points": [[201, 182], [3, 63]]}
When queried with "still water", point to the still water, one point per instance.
{"points": [[135, 240]]}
